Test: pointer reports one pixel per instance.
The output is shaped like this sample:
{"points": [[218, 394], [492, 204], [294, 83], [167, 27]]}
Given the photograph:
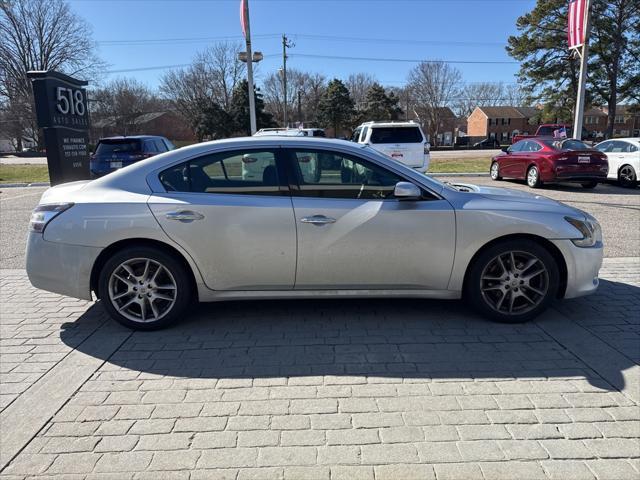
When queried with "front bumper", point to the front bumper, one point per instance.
{"points": [[583, 266], [59, 267]]}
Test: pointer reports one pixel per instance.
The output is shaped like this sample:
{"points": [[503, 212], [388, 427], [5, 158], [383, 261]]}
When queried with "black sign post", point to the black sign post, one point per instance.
{"points": [[61, 109]]}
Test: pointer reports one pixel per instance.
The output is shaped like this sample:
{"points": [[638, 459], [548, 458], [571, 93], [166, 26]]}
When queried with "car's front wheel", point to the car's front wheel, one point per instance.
{"points": [[512, 281], [627, 176], [494, 171], [144, 288]]}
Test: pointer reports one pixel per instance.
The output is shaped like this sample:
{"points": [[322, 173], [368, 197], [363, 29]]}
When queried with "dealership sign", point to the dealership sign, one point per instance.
{"points": [[61, 111]]}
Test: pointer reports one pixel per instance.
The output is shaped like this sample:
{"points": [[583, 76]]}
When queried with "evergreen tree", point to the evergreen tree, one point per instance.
{"points": [[549, 71], [336, 107], [239, 110], [380, 105]]}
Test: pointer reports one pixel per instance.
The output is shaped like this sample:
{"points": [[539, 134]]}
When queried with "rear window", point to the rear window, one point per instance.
{"points": [[567, 144], [396, 135], [108, 147]]}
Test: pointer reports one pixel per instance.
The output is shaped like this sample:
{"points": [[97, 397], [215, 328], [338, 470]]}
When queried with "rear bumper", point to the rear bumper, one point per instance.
{"points": [[583, 266], [59, 267]]}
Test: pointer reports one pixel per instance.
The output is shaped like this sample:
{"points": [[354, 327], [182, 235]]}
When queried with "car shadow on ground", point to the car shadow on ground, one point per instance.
{"points": [[367, 337]]}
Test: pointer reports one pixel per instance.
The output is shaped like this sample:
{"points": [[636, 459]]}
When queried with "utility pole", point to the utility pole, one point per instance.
{"points": [[252, 100], [300, 106], [285, 44], [582, 80]]}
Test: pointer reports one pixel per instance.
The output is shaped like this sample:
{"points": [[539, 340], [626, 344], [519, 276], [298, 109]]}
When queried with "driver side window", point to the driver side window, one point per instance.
{"points": [[328, 174]]}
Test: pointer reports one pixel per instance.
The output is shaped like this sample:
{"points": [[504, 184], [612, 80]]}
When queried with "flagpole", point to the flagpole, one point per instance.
{"points": [[582, 79], [252, 100]]}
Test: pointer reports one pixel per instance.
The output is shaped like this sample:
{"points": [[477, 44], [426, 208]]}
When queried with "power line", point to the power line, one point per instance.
{"points": [[396, 40], [403, 60], [160, 41]]}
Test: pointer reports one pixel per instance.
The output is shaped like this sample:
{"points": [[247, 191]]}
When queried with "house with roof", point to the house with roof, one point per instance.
{"points": [[501, 122]]}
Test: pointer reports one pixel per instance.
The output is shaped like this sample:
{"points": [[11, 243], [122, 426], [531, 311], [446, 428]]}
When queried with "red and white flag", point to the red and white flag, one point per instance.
{"points": [[243, 18], [577, 22]]}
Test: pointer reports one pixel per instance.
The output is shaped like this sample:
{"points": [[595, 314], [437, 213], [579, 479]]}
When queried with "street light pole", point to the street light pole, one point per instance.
{"points": [[252, 100], [285, 44]]}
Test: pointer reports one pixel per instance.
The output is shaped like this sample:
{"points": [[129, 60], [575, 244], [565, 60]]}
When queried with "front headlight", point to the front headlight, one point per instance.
{"points": [[43, 214], [590, 230]]}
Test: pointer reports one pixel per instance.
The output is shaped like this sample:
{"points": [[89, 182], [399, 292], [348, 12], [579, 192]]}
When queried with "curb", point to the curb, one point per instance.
{"points": [[24, 185]]}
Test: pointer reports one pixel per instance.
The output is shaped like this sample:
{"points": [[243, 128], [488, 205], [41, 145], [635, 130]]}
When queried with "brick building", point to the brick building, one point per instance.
{"points": [[501, 123]]}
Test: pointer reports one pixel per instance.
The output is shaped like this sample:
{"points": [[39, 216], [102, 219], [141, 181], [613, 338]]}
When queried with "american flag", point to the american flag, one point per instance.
{"points": [[243, 19], [577, 21]]}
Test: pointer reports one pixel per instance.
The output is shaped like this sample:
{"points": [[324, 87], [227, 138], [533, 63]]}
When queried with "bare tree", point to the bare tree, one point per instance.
{"points": [[358, 85], [304, 91], [434, 86], [121, 102], [210, 79], [40, 35], [480, 94]]}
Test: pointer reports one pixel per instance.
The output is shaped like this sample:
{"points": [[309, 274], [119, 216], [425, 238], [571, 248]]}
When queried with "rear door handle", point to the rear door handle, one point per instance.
{"points": [[318, 220], [184, 216]]}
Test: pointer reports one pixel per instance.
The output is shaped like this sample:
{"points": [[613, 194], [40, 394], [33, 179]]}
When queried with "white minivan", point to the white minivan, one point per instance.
{"points": [[405, 142]]}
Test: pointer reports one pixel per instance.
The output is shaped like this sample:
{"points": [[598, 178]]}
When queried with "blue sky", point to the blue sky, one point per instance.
{"points": [[462, 30]]}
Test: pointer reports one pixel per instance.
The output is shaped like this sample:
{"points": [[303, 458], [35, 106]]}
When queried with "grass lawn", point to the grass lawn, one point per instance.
{"points": [[39, 173], [456, 165], [23, 173]]}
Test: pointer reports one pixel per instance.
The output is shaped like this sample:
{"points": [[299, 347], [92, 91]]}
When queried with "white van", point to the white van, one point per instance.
{"points": [[405, 142]]}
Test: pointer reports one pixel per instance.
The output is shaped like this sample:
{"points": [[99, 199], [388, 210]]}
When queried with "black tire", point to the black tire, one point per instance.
{"points": [[589, 185], [627, 176], [532, 180], [494, 171], [177, 274], [481, 300]]}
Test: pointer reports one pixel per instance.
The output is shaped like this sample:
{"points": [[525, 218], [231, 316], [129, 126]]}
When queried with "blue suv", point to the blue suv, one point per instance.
{"points": [[113, 153]]}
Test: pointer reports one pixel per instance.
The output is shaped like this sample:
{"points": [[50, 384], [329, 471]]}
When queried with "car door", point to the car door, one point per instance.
{"points": [[527, 155], [509, 164], [353, 233], [240, 232]]}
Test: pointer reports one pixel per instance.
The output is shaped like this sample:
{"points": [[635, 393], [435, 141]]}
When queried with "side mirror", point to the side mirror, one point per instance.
{"points": [[505, 149], [407, 191]]}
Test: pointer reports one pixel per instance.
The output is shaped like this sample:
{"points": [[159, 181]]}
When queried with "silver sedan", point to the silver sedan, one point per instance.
{"points": [[151, 239]]}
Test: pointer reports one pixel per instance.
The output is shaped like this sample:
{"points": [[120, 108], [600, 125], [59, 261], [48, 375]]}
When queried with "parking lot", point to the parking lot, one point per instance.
{"points": [[370, 389]]}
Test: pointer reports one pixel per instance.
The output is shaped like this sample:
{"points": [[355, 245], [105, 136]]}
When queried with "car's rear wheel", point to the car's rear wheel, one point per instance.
{"points": [[512, 281], [144, 288], [589, 185], [627, 176], [533, 177], [494, 171]]}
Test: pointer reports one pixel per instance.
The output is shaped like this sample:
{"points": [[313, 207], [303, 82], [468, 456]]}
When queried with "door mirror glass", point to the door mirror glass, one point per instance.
{"points": [[407, 191]]}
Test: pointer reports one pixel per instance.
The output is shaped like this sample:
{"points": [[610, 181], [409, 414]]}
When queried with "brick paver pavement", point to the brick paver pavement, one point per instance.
{"points": [[370, 389]]}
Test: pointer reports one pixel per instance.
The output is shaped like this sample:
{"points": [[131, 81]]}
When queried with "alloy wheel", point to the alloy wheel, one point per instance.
{"points": [[532, 177], [495, 173], [514, 282], [142, 290], [627, 175]]}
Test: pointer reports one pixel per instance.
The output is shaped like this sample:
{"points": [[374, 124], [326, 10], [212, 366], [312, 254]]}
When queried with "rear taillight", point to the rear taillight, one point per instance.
{"points": [[43, 214], [427, 147]]}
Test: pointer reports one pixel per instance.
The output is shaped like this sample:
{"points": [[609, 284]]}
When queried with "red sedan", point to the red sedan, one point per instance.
{"points": [[542, 160]]}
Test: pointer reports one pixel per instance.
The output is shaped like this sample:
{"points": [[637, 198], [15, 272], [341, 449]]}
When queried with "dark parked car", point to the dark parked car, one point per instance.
{"points": [[539, 160], [113, 153], [487, 143]]}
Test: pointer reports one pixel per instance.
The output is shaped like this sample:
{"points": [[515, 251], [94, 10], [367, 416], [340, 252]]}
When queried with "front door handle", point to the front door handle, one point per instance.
{"points": [[318, 220], [184, 216]]}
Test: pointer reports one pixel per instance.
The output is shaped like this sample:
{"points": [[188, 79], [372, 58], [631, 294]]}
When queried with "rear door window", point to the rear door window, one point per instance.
{"points": [[113, 147], [396, 135]]}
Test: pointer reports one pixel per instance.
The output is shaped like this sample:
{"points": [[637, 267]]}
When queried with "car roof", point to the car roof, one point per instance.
{"points": [[634, 140], [390, 124]]}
